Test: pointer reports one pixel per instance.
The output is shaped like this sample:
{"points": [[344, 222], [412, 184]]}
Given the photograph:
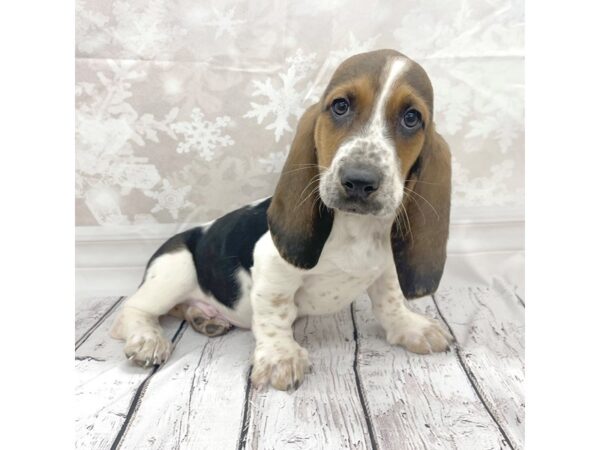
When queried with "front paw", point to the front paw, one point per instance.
{"points": [[281, 365], [419, 334]]}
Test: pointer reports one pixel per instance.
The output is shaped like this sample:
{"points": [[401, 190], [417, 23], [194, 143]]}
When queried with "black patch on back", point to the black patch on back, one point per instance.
{"points": [[173, 244], [222, 250], [225, 247]]}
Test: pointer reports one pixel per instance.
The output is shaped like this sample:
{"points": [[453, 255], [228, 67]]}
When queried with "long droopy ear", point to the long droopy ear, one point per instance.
{"points": [[420, 235], [298, 220]]}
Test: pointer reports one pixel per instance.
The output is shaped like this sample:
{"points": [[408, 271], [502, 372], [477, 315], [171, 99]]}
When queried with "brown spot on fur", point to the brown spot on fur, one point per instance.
{"points": [[283, 316], [279, 301]]}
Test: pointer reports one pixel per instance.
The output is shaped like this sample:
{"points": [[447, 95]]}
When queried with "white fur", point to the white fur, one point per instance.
{"points": [[170, 281], [396, 68]]}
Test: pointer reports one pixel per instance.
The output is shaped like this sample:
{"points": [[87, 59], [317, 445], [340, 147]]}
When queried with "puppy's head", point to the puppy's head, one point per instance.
{"points": [[369, 146], [370, 130]]}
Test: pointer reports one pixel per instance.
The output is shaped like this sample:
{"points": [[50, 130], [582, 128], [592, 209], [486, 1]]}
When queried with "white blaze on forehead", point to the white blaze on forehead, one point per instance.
{"points": [[395, 69]]}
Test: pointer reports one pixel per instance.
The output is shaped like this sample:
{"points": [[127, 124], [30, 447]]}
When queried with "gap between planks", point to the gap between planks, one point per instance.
{"points": [[248, 407], [97, 323], [139, 393], [471, 377], [106, 380], [326, 410], [419, 401], [488, 325]]}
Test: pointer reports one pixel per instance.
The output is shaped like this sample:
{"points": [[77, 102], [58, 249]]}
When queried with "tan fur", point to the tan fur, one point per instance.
{"points": [[408, 148], [328, 136]]}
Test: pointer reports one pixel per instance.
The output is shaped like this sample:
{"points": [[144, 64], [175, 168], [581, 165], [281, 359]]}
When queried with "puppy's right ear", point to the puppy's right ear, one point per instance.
{"points": [[298, 220]]}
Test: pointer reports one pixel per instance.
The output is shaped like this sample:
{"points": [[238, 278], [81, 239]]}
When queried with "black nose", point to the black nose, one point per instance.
{"points": [[360, 182]]}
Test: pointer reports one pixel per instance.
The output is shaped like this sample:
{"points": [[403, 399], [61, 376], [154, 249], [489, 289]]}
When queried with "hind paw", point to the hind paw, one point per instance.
{"points": [[210, 327]]}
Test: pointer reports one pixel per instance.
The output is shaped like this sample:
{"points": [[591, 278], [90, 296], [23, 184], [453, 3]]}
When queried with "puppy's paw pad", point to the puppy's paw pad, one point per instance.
{"points": [[147, 348], [282, 368], [419, 334], [210, 327]]}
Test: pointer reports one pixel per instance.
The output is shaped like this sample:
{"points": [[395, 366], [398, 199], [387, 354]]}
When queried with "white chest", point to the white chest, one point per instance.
{"points": [[354, 256]]}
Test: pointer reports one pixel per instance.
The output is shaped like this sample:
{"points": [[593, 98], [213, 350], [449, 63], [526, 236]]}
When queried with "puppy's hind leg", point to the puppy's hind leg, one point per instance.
{"points": [[169, 279]]}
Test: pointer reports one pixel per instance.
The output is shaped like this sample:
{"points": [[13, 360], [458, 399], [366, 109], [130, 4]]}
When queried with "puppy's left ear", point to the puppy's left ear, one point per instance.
{"points": [[420, 235]]}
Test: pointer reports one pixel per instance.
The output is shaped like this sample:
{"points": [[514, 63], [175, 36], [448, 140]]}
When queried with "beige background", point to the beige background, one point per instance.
{"points": [[186, 109]]}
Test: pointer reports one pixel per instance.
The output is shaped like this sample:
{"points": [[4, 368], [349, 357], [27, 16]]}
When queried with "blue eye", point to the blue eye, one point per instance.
{"points": [[340, 106], [411, 118]]}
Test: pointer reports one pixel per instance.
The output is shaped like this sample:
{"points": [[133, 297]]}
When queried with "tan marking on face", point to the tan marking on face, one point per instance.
{"points": [[330, 134], [408, 147]]}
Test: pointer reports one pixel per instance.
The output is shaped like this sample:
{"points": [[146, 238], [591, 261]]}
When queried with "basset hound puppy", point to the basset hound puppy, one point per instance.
{"points": [[362, 203]]}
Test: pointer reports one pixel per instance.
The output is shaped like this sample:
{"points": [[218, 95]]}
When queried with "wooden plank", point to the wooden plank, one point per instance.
{"points": [[197, 401], [90, 311], [520, 296], [503, 288], [325, 411], [105, 385], [419, 401], [489, 327]]}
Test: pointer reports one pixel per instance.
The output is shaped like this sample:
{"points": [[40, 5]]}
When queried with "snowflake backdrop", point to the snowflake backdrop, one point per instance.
{"points": [[186, 109]]}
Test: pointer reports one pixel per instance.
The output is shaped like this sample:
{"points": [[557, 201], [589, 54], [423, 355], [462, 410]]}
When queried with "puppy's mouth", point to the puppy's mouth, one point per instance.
{"points": [[360, 207]]}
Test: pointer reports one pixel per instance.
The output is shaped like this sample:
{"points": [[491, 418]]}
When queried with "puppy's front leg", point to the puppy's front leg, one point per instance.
{"points": [[278, 359], [414, 332]]}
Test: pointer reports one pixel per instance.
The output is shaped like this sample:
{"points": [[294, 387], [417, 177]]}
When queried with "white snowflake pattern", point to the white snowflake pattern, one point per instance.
{"points": [[170, 198], [90, 28], [144, 29], [203, 136], [485, 190], [274, 162], [494, 127], [224, 22], [354, 47], [285, 100], [453, 104], [107, 127], [103, 201]]}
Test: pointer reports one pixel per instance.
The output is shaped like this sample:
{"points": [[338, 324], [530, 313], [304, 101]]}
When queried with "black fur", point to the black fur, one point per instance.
{"points": [[303, 251], [222, 250]]}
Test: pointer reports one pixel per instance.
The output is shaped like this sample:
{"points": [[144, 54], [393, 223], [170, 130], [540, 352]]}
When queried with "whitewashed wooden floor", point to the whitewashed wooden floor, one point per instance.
{"points": [[362, 394]]}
